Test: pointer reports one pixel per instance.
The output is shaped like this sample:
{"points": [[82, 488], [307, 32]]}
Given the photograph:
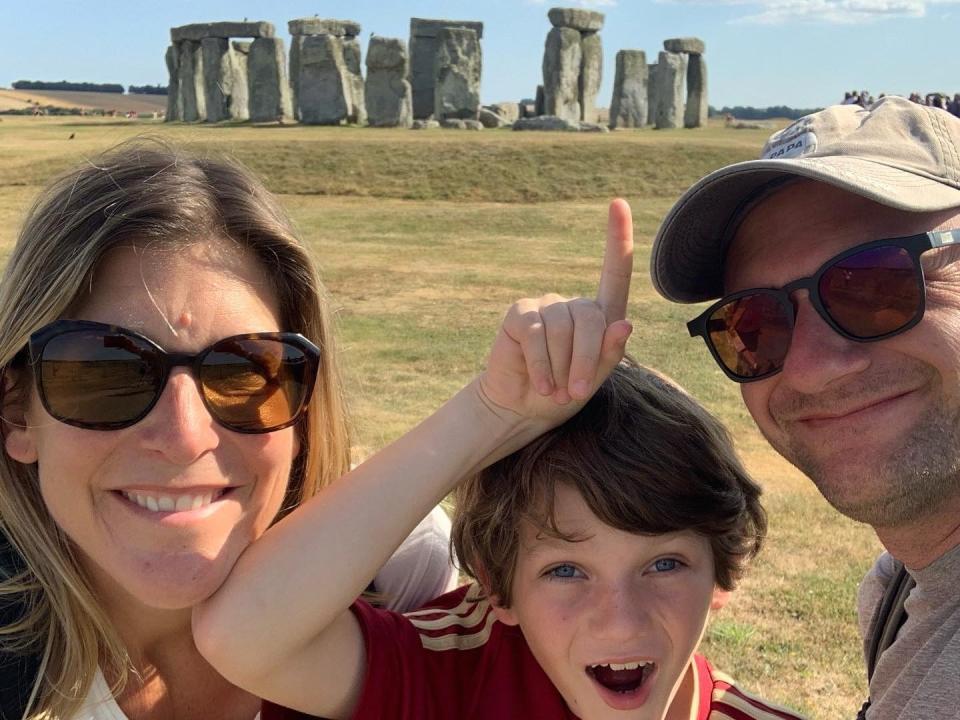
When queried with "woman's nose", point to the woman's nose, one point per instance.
{"points": [[179, 426]]}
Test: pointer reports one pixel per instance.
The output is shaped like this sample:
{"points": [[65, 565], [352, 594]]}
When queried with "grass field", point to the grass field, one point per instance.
{"points": [[426, 237]]}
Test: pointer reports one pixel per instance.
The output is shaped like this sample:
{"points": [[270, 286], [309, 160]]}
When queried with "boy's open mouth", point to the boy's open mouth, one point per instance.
{"points": [[625, 678]]}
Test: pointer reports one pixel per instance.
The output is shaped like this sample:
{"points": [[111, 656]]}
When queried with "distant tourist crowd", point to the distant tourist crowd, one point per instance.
{"points": [[933, 99]]}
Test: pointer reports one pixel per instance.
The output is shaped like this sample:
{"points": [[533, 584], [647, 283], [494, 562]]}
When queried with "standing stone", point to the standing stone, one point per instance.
{"points": [[324, 87], [697, 108], [423, 50], [344, 30], [591, 73], [174, 111], [651, 93], [240, 97], [670, 83], [296, 42], [192, 101], [457, 69], [224, 82], [539, 103], [269, 90], [388, 96], [562, 59], [356, 106], [628, 108]]}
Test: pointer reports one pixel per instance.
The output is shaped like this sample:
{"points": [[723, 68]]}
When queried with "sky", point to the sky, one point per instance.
{"points": [[800, 53]]}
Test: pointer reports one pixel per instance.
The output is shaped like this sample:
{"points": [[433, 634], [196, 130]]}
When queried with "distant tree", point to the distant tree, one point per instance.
{"points": [[147, 89], [747, 112], [66, 85]]}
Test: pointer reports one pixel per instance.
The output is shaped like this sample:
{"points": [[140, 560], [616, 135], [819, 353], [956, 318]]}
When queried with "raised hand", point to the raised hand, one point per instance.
{"points": [[552, 353]]}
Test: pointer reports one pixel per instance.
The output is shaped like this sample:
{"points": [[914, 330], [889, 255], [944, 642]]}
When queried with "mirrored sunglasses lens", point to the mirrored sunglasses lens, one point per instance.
{"points": [[751, 335], [91, 378], [255, 384], [874, 292]]}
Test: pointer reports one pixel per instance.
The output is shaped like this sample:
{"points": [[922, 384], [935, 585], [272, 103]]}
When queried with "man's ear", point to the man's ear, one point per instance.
{"points": [[17, 437], [720, 598], [503, 614]]}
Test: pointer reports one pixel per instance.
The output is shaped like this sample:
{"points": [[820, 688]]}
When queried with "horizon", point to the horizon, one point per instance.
{"points": [[813, 50]]}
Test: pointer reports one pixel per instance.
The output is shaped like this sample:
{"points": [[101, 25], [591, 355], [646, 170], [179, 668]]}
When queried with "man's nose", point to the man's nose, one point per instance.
{"points": [[818, 354]]}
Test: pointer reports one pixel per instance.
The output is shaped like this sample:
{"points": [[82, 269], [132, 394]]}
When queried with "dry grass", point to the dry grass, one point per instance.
{"points": [[421, 285]]}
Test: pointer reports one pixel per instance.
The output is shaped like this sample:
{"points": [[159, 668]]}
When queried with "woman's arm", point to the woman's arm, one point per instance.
{"points": [[280, 625]]}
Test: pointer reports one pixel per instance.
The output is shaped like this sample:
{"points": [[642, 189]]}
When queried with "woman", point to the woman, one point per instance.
{"points": [[161, 327]]}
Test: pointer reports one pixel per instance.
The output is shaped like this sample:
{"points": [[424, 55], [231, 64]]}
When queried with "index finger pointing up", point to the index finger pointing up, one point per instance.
{"points": [[617, 262]]}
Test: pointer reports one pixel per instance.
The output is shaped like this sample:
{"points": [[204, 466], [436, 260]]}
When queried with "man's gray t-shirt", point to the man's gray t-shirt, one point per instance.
{"points": [[918, 677]]}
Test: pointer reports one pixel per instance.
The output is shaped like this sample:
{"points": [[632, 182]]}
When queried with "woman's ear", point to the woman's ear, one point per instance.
{"points": [[17, 436]]}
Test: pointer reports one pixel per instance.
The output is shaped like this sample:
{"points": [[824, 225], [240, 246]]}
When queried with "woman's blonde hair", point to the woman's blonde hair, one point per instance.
{"points": [[142, 192]]}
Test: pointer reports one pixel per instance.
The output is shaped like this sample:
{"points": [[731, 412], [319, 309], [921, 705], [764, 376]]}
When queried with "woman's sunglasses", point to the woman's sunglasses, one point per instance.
{"points": [[869, 292], [105, 377]]}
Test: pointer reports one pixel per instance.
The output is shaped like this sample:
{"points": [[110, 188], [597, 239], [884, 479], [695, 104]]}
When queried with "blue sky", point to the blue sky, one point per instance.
{"points": [[801, 53]]}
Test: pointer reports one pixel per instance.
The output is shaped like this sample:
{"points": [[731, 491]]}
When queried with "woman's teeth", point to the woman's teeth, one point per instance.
{"points": [[172, 503]]}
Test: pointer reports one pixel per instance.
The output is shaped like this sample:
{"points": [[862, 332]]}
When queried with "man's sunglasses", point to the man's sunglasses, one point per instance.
{"points": [[869, 292], [105, 377]]}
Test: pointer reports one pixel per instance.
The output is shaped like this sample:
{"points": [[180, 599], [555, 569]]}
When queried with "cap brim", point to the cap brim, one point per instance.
{"points": [[686, 262]]}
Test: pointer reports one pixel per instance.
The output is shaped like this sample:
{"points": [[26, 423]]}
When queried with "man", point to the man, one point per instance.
{"points": [[849, 351]]}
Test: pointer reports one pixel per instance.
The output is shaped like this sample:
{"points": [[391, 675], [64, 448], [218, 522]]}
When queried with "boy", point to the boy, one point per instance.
{"points": [[597, 548]]}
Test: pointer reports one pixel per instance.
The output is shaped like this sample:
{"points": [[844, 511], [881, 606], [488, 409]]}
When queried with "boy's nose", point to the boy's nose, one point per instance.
{"points": [[619, 612]]}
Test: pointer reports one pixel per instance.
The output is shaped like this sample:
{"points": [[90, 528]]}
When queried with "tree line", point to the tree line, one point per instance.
{"points": [[90, 87], [742, 112]]}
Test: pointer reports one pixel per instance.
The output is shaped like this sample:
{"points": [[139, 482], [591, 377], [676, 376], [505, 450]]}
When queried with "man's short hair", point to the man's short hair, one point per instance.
{"points": [[646, 458]]}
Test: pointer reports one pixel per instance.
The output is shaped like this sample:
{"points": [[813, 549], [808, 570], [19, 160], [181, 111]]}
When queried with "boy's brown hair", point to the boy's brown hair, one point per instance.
{"points": [[645, 456]]}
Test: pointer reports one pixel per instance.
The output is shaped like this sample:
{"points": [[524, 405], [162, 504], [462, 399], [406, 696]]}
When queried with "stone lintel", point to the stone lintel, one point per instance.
{"points": [[576, 18], [422, 27], [323, 26], [690, 45], [199, 31]]}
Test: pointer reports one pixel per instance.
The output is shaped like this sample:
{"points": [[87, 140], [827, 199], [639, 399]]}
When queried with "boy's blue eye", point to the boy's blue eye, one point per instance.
{"points": [[564, 572], [666, 564]]}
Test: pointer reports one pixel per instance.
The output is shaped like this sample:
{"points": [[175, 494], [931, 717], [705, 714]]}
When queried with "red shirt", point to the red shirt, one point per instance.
{"points": [[452, 659]]}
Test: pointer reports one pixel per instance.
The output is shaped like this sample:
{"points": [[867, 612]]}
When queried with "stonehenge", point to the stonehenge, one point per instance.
{"points": [[432, 81], [214, 79], [325, 71], [456, 74], [267, 81], [388, 95], [628, 108], [572, 64], [424, 46], [673, 89]]}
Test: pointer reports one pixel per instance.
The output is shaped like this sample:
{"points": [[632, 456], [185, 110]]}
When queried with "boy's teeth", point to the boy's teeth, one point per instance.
{"points": [[172, 503], [622, 666]]}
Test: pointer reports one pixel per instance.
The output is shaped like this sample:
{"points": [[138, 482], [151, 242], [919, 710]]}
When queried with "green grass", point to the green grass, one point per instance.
{"points": [[425, 238]]}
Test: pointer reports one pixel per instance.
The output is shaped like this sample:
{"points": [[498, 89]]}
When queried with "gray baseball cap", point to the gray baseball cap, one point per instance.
{"points": [[896, 152]]}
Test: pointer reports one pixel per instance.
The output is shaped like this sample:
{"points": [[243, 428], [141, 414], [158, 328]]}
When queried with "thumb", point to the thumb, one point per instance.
{"points": [[612, 348]]}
